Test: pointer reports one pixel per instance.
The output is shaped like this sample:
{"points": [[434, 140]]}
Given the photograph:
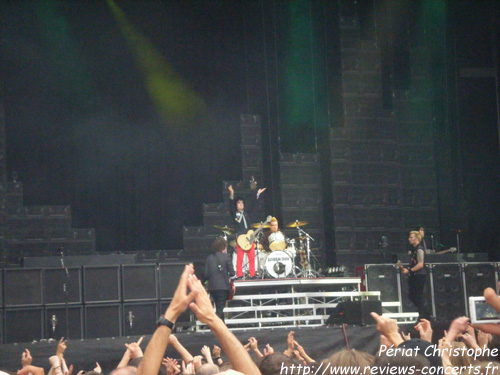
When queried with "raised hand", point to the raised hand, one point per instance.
{"points": [[425, 329], [268, 350], [188, 369], [97, 368], [458, 326], [216, 351], [135, 350], [202, 306], [61, 348], [26, 358], [206, 353], [182, 296], [483, 339], [253, 343], [172, 366], [388, 328], [290, 344]]}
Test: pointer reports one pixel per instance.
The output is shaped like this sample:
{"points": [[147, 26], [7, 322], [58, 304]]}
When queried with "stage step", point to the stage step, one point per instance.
{"points": [[268, 304]]}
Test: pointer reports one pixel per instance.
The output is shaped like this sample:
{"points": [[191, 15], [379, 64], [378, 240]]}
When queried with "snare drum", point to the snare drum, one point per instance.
{"points": [[279, 264]]}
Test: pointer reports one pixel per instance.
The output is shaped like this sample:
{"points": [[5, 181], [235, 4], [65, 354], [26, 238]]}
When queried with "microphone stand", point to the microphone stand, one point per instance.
{"points": [[65, 291], [309, 271]]}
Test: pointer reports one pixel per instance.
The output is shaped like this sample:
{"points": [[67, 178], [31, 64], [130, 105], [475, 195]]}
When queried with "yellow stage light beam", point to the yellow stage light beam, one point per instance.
{"points": [[172, 97]]}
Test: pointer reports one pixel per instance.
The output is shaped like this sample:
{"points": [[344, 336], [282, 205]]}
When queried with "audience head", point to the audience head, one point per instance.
{"points": [[208, 369], [352, 357], [273, 363], [125, 370]]}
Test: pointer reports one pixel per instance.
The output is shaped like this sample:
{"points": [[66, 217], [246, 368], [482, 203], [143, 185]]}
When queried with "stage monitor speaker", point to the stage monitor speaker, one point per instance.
{"points": [[355, 312], [478, 277], [139, 319], [169, 275], [23, 325], [448, 293], [57, 284], [55, 317], [22, 287], [102, 321], [139, 282], [101, 284], [383, 278]]}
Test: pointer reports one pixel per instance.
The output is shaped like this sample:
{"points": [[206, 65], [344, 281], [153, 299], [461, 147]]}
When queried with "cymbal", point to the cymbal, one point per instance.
{"points": [[225, 228], [300, 238], [296, 224], [277, 245], [256, 225]]}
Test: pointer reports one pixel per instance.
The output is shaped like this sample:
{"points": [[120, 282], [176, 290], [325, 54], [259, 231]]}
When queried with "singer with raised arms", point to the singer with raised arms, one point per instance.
{"points": [[240, 217]]}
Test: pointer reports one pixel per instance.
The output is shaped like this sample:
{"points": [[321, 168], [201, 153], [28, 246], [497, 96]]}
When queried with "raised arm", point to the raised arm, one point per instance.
{"points": [[151, 362], [388, 328], [127, 355], [179, 348], [236, 353]]}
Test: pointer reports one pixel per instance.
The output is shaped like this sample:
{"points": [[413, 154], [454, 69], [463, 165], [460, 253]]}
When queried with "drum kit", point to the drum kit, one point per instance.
{"points": [[280, 262]]}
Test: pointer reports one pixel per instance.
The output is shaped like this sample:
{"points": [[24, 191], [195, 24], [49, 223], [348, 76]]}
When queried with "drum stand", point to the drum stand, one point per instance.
{"points": [[308, 271], [259, 268]]}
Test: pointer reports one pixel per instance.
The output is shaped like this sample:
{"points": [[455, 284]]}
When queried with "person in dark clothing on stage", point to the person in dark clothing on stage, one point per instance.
{"points": [[218, 270], [417, 275], [241, 219]]}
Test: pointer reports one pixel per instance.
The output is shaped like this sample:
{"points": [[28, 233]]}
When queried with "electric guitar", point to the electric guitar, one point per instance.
{"points": [[400, 266], [245, 241], [450, 250]]}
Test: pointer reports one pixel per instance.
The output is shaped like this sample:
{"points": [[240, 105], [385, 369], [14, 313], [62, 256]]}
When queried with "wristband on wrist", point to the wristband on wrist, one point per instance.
{"points": [[162, 321]]}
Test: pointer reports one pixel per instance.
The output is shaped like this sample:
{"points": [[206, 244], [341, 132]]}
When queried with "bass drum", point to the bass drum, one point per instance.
{"points": [[279, 264]]}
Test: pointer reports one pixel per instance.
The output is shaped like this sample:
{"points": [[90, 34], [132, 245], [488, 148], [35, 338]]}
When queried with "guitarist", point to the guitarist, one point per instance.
{"points": [[417, 275], [218, 270], [241, 220]]}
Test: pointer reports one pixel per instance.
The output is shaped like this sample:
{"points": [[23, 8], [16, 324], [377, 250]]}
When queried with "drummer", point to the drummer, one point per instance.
{"points": [[273, 239]]}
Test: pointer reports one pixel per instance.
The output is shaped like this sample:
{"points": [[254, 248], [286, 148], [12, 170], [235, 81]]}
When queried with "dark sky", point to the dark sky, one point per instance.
{"points": [[82, 128]]}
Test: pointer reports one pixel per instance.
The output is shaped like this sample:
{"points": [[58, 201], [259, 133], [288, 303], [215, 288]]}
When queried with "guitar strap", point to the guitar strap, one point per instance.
{"points": [[242, 217]]}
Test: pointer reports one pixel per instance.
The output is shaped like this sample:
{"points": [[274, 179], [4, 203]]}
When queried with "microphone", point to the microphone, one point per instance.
{"points": [[53, 321], [130, 319]]}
